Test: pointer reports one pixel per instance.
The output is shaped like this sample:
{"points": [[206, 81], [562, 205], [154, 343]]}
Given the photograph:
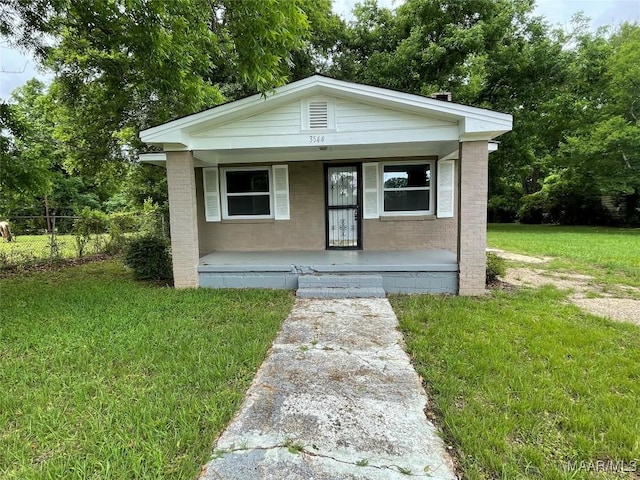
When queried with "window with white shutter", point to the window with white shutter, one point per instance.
{"points": [[255, 192]]}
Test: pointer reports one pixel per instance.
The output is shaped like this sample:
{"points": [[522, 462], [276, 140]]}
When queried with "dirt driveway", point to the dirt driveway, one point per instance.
{"points": [[618, 302]]}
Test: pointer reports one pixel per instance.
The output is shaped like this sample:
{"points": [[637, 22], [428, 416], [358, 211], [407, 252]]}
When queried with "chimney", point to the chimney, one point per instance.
{"points": [[444, 96]]}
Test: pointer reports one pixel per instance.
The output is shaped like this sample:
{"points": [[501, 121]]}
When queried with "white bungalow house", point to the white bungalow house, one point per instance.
{"points": [[326, 177]]}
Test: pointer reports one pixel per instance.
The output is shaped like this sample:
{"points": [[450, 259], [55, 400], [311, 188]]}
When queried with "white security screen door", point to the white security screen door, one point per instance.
{"points": [[343, 206]]}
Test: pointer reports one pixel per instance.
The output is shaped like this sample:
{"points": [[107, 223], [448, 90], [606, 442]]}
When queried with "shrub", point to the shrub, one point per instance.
{"points": [[120, 224], [532, 209], [496, 267], [116, 241], [151, 219], [89, 223], [149, 258], [502, 209]]}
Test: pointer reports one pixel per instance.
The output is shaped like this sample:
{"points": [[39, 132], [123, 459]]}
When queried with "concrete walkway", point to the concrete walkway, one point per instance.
{"points": [[336, 398]]}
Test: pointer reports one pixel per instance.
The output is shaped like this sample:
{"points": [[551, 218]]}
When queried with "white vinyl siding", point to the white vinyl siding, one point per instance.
{"points": [[278, 121], [357, 117]]}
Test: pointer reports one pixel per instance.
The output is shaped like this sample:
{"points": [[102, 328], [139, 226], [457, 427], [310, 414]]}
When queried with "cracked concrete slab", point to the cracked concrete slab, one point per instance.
{"points": [[336, 398]]}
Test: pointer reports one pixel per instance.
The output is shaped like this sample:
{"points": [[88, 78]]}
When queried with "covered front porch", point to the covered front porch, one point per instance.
{"points": [[321, 164], [405, 271]]}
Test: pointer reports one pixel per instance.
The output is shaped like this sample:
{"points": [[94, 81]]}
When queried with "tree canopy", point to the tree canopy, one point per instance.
{"points": [[123, 65]]}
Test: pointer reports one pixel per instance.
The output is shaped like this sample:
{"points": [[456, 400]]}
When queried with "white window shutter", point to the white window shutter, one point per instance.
{"points": [[281, 192], [445, 188], [370, 190], [211, 194]]}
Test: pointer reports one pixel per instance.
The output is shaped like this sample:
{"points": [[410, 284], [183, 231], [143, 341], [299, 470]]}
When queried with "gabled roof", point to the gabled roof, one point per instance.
{"points": [[474, 123]]}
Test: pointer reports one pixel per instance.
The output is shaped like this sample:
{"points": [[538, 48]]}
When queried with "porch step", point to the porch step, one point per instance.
{"points": [[340, 286]]}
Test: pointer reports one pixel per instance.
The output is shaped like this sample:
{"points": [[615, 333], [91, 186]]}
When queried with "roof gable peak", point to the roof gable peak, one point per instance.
{"points": [[319, 85]]}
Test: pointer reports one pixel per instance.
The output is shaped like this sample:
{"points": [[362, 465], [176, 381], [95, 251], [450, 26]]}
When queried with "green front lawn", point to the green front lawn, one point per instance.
{"points": [[25, 249], [526, 386], [611, 254], [103, 377]]}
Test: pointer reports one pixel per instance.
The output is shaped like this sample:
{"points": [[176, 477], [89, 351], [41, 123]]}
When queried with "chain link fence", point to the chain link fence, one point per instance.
{"points": [[32, 240]]}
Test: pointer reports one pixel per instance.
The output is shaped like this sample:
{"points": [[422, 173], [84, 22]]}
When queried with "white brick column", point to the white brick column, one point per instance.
{"points": [[472, 216], [183, 218]]}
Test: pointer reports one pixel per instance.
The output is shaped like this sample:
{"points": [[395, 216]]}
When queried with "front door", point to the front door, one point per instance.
{"points": [[343, 206]]}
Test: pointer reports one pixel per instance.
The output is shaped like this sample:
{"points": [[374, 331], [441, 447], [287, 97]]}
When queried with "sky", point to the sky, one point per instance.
{"points": [[17, 67]]}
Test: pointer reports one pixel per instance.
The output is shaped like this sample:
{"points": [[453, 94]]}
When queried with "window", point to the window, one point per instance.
{"points": [[246, 192], [406, 188]]}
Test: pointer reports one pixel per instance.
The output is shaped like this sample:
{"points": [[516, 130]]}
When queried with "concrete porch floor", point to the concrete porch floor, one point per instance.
{"points": [[417, 271], [433, 260]]}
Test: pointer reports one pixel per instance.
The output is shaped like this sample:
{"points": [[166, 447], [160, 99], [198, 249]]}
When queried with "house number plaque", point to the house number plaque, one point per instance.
{"points": [[316, 138]]}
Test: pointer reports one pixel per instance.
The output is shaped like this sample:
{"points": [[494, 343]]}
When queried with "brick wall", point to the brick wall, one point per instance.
{"points": [[306, 229], [184, 223], [472, 191], [405, 233]]}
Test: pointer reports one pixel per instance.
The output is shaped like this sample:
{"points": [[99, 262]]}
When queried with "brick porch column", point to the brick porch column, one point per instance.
{"points": [[183, 218], [472, 216]]}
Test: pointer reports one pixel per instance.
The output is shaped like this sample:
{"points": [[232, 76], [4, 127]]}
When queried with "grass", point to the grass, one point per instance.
{"points": [[32, 248], [527, 386], [103, 377], [609, 254]]}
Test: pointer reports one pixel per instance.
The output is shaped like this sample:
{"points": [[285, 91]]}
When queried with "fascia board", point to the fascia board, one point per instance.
{"points": [[153, 157], [492, 126]]}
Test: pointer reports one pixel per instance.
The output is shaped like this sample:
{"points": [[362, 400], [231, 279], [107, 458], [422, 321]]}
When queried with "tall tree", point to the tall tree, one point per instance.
{"points": [[36, 177], [123, 65], [24, 164], [600, 155]]}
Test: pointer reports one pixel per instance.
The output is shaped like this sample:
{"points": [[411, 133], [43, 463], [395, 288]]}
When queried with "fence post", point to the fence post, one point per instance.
{"points": [[53, 249]]}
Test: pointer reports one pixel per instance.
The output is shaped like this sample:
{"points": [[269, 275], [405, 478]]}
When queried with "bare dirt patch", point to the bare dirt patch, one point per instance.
{"points": [[517, 257], [606, 301]]}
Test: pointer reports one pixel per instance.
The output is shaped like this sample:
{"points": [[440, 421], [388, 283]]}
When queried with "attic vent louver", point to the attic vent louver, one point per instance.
{"points": [[319, 114]]}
